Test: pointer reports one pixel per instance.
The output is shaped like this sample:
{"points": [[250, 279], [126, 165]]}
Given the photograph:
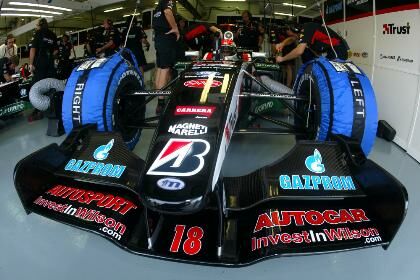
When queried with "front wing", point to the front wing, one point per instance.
{"points": [[281, 209]]}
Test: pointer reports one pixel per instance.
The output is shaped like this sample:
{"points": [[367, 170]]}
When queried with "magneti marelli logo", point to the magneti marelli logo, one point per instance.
{"points": [[314, 163]]}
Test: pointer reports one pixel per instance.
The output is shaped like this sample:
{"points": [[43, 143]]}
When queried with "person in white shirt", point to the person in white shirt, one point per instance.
{"points": [[9, 48]]}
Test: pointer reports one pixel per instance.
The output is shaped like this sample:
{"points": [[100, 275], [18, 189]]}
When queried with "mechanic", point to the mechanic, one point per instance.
{"points": [[251, 34], [65, 48], [166, 37], [112, 39], [199, 37], [92, 43], [314, 42], [9, 48], [289, 42], [182, 46], [135, 40], [43, 48], [8, 66]]}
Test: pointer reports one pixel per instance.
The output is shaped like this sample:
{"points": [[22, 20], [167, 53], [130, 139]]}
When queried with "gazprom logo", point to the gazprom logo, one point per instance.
{"points": [[97, 168], [314, 182], [102, 152], [314, 163]]}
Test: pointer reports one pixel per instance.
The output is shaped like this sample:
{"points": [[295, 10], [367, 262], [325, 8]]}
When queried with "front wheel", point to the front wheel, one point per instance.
{"points": [[94, 94], [341, 102]]}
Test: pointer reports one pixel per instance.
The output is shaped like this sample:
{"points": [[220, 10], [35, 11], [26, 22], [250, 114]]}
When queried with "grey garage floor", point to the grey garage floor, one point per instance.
{"points": [[33, 247]]}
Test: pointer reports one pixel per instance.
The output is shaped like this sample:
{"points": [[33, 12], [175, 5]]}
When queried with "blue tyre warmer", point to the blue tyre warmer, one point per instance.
{"points": [[90, 93], [345, 97]]}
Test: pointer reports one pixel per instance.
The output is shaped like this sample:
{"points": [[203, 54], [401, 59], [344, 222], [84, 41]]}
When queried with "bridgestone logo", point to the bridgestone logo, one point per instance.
{"points": [[133, 73]]}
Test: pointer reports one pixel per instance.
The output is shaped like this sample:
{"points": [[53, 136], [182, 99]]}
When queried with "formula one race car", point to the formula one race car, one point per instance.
{"points": [[322, 196], [14, 98]]}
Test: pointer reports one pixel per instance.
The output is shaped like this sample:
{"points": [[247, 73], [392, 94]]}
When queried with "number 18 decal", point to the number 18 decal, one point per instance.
{"points": [[192, 245]]}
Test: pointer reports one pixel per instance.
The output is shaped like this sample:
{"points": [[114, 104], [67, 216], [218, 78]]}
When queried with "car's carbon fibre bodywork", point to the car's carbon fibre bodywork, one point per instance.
{"points": [[14, 97], [320, 197]]}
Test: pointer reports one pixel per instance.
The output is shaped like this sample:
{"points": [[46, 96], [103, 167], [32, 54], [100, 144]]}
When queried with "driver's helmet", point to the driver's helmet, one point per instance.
{"points": [[228, 47]]}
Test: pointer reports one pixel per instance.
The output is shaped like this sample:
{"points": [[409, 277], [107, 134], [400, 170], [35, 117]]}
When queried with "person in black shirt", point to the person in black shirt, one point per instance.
{"points": [[314, 42], [182, 46], [8, 66], [112, 39], [250, 35], [92, 43], [166, 37], [65, 48], [43, 48], [135, 40], [65, 66], [287, 43]]}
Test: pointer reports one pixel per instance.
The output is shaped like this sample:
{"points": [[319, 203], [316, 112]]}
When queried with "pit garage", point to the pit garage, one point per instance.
{"points": [[225, 139]]}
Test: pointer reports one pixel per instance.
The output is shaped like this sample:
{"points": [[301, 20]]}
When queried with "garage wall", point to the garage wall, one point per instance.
{"points": [[391, 60]]}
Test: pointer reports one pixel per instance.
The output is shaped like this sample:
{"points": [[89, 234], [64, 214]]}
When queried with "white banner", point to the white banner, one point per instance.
{"points": [[398, 41]]}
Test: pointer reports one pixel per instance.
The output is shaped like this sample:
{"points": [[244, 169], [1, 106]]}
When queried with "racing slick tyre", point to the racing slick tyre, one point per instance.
{"points": [[94, 92], [341, 102]]}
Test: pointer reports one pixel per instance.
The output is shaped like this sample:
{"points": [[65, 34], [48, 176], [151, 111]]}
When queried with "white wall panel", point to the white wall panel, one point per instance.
{"points": [[397, 72], [339, 28], [360, 37], [399, 51], [414, 144], [396, 95]]}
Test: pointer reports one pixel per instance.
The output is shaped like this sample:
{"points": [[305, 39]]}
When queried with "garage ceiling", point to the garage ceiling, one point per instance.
{"points": [[75, 20]]}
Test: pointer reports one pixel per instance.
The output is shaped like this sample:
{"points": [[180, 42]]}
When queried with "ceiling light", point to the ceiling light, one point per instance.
{"points": [[24, 15], [294, 5], [115, 9], [136, 14], [31, 10], [39, 6], [233, 0], [283, 14]]}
